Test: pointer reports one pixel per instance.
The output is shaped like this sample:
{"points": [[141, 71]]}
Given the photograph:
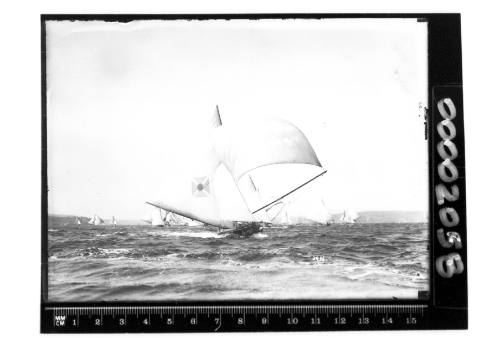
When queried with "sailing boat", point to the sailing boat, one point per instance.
{"points": [[330, 218], [349, 217], [77, 220], [266, 160], [114, 221], [157, 217], [173, 219], [96, 220], [278, 213]]}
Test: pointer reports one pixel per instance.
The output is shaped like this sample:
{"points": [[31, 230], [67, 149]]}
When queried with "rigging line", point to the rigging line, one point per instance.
{"points": [[300, 186], [281, 210], [253, 184]]}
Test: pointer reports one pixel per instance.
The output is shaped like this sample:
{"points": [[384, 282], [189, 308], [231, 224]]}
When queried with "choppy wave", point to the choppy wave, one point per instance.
{"points": [[203, 234], [144, 263]]}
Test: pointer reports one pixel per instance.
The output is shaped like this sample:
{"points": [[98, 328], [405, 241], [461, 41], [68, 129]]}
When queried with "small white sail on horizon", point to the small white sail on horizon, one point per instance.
{"points": [[114, 221], [174, 219], [278, 213], [160, 217], [156, 217], [77, 220], [96, 220], [349, 217]]}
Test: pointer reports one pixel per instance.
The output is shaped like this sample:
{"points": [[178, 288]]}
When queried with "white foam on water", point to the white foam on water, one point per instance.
{"points": [[203, 234], [116, 251], [260, 235], [278, 227]]}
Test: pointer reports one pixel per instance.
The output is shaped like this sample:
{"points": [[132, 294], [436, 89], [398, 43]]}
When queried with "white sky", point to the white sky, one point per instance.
{"points": [[125, 102]]}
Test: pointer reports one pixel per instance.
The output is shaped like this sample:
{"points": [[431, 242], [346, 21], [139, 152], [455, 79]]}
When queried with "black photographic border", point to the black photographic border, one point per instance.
{"points": [[447, 301]]}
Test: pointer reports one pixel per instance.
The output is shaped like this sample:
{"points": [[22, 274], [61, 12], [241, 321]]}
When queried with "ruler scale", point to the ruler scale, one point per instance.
{"points": [[234, 318]]}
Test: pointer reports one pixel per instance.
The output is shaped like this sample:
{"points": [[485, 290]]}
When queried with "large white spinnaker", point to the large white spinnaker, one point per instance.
{"points": [[268, 160]]}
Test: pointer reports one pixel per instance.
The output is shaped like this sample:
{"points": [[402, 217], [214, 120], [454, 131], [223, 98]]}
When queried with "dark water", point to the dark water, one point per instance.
{"points": [[284, 262]]}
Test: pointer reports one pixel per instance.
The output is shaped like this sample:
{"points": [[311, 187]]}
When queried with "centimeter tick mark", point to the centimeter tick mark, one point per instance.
{"points": [[220, 317]]}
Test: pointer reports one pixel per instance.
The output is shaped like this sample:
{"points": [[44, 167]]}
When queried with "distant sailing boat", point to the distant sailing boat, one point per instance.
{"points": [[278, 213], [330, 219], [157, 217], [114, 221], [77, 220], [266, 160], [173, 219], [349, 217], [96, 220]]}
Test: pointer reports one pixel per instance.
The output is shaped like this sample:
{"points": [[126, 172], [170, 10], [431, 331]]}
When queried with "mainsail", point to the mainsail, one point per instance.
{"points": [[262, 163], [77, 220], [114, 221]]}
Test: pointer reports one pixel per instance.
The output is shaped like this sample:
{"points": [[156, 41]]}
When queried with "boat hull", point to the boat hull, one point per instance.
{"points": [[244, 229]]}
